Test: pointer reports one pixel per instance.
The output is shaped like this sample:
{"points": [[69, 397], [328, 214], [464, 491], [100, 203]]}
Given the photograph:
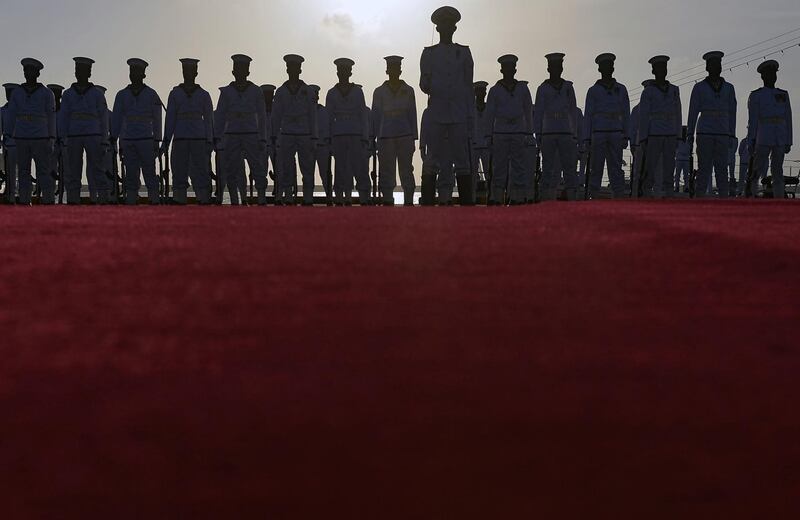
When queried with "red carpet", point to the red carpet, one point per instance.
{"points": [[599, 360]]}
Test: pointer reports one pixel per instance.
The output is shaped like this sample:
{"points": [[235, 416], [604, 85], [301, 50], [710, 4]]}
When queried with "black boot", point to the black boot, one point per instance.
{"points": [[466, 190], [428, 190]]}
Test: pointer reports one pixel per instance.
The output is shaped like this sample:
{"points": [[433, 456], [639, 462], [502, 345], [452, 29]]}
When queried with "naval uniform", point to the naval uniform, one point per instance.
{"points": [[349, 128], [83, 121], [556, 129], [716, 109], [394, 116], [607, 123], [294, 128], [189, 126], [770, 134], [136, 121], [660, 127], [32, 121]]}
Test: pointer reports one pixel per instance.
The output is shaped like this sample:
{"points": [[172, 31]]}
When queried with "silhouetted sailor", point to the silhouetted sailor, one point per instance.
{"points": [[447, 77], [394, 113], [770, 127], [509, 110], [633, 139], [240, 125], [682, 165], [606, 124], [294, 126], [556, 130], [714, 101], [32, 120], [107, 165], [582, 151], [269, 100], [660, 127], [136, 122], [9, 147], [481, 136], [189, 126], [83, 119], [349, 125], [322, 144]]}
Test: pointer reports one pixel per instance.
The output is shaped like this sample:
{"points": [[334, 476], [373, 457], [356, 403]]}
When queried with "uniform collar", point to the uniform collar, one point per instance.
{"points": [[31, 91], [613, 84], [189, 90], [300, 85], [82, 92], [509, 90], [134, 91], [721, 83], [403, 84], [241, 90]]}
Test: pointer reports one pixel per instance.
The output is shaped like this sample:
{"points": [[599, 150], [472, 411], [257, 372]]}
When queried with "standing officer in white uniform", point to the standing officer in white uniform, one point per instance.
{"points": [[349, 124], [714, 102], [660, 127], [509, 111], [294, 129], [32, 120], [770, 128], [447, 78], [189, 126], [556, 130], [394, 113], [83, 121], [136, 121], [240, 123], [606, 124]]}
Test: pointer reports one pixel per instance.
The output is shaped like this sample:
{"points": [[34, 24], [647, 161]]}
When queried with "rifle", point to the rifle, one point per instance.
{"points": [[642, 170], [3, 174], [329, 175], [164, 168], [751, 175], [537, 177], [124, 195], [587, 190], [115, 190], [374, 174], [59, 174]]}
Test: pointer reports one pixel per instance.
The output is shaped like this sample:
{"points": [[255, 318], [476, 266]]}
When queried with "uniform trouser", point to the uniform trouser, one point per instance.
{"points": [[660, 166], [559, 156], [531, 168], [681, 171], [301, 146], [447, 145], [607, 150], [770, 157], [190, 160], [744, 171], [509, 152], [733, 184], [241, 148], [581, 168], [712, 154], [350, 156], [397, 154], [95, 154], [322, 155], [140, 160], [38, 152], [10, 153]]}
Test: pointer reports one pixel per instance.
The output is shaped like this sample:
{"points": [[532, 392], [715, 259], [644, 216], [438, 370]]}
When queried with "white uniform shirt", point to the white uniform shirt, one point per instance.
{"points": [[555, 110], [294, 113], [241, 112], [137, 117], [446, 76], [509, 110], [32, 114], [660, 112], [394, 114], [716, 109], [770, 117], [348, 112], [608, 109], [83, 113]]}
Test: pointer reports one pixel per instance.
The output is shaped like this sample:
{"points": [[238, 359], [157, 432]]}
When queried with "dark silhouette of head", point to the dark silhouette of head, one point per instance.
{"points": [[138, 68], [508, 66], [605, 65], [480, 92], [294, 66], [241, 67], [83, 70], [555, 65], [713, 61], [269, 95], [769, 73], [394, 68], [344, 70], [58, 92], [315, 93], [189, 67], [446, 20], [659, 65], [9, 88], [31, 69]]}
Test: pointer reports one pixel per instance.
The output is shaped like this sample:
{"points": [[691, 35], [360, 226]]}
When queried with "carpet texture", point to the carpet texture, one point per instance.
{"points": [[597, 360]]}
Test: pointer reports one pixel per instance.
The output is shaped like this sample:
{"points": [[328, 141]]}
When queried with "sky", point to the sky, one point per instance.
{"points": [[162, 31]]}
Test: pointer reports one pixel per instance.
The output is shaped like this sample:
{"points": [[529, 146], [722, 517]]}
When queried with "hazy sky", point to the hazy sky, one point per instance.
{"points": [[111, 31]]}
